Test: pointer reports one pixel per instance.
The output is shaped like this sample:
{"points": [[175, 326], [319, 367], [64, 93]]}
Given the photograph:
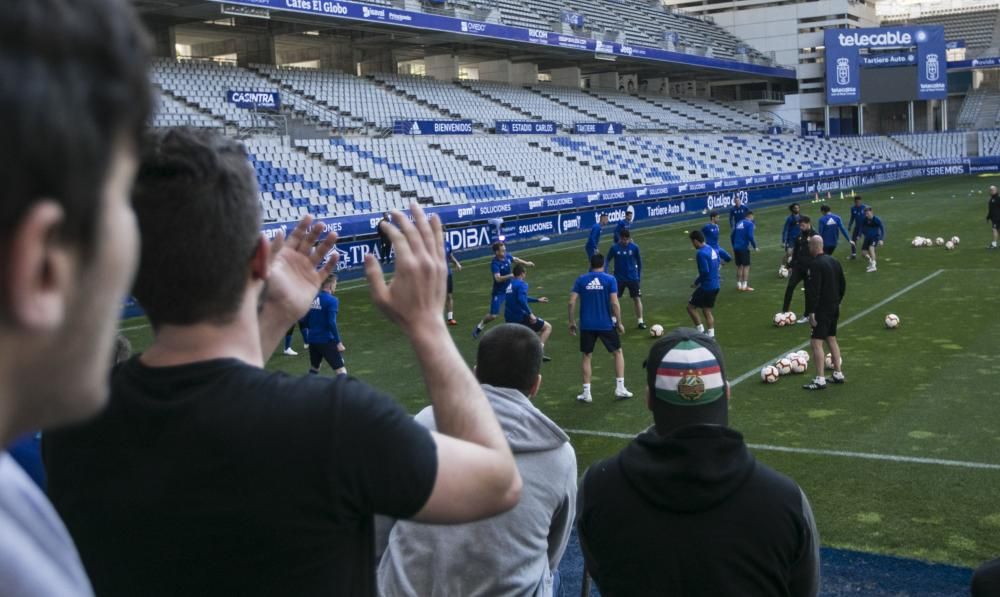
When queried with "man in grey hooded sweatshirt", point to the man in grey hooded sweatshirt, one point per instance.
{"points": [[514, 553]]}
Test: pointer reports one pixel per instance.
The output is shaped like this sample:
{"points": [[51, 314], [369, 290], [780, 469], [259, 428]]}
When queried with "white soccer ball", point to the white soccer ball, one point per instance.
{"points": [[779, 320], [784, 366], [915, 242], [939, 241], [790, 318], [955, 239], [782, 272], [828, 361], [769, 374], [891, 321], [656, 330], [949, 245], [798, 364], [804, 354]]}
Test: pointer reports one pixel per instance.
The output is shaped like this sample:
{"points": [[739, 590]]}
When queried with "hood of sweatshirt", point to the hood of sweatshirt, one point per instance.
{"points": [[527, 429], [692, 469]]}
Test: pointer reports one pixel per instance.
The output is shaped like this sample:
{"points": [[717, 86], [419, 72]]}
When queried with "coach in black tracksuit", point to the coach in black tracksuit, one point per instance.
{"points": [[384, 242], [993, 215], [825, 289], [684, 508], [799, 262]]}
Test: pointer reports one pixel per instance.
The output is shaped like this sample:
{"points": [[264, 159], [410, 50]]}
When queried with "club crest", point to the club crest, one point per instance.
{"points": [[691, 386]]}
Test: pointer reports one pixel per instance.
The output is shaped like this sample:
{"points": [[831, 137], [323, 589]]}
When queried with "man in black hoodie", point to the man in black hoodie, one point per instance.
{"points": [[798, 263], [685, 509]]}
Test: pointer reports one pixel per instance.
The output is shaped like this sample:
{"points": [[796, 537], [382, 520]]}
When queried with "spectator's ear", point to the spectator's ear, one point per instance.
{"points": [[260, 260], [728, 393], [39, 270], [535, 386]]}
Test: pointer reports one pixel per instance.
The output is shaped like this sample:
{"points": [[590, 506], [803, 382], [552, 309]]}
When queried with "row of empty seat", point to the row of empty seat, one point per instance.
{"points": [[353, 175], [977, 28]]}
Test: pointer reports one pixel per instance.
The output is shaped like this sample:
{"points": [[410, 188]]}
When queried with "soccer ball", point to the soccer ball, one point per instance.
{"points": [[955, 239], [798, 364], [782, 272], [804, 355], [828, 361], [769, 374], [656, 330], [949, 245], [784, 366], [790, 318], [779, 320], [891, 321], [939, 241]]}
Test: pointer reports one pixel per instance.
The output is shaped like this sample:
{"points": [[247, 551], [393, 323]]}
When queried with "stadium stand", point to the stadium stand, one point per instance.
{"points": [[989, 142], [673, 139], [981, 109], [977, 28]]}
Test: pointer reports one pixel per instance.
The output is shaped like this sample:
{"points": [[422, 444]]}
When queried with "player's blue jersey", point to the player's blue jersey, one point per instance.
{"points": [[711, 232], [743, 236], [857, 215], [791, 230], [623, 225], [872, 229], [708, 268], [595, 237], [516, 306], [447, 255], [736, 215], [830, 227], [595, 290], [502, 267], [321, 321], [627, 262]]}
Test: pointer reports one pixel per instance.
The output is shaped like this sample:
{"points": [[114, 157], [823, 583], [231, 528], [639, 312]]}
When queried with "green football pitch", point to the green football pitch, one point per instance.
{"points": [[903, 459]]}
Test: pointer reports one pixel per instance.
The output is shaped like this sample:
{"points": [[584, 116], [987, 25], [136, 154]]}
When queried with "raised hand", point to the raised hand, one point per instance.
{"points": [[295, 274], [416, 294]]}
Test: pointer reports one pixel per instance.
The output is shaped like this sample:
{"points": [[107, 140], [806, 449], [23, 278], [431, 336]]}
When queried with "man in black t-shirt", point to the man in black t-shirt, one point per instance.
{"points": [[208, 475], [825, 288]]}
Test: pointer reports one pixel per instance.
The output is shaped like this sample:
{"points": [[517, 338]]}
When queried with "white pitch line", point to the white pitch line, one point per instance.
{"points": [[134, 327], [820, 452], [847, 322]]}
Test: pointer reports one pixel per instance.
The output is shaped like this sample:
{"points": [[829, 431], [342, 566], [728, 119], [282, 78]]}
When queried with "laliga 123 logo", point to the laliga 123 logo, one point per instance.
{"points": [[932, 68], [843, 71]]}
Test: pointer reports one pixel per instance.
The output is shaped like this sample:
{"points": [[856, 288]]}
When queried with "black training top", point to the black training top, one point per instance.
{"points": [[825, 286], [219, 478]]}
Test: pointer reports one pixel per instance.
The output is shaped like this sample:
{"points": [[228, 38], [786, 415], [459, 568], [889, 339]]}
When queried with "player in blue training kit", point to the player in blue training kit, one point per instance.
{"points": [[516, 309], [594, 240], [736, 214], [600, 318], [854, 224], [830, 225], [711, 232], [288, 339], [324, 337], [743, 239], [449, 258], [706, 285], [791, 230], [501, 266], [627, 264], [625, 224], [873, 232]]}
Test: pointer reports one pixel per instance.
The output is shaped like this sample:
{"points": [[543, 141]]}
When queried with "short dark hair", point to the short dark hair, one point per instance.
{"points": [[74, 84], [596, 261], [509, 356], [857, 197], [625, 234], [196, 201], [793, 206], [697, 236], [518, 270], [496, 246], [824, 208], [713, 213], [749, 212], [804, 219]]}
